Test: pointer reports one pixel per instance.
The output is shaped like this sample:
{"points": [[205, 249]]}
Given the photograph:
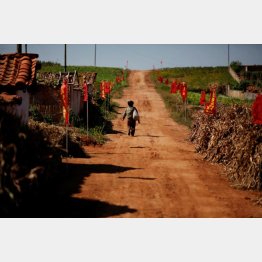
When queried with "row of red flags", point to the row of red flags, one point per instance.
{"points": [[106, 86], [210, 107]]}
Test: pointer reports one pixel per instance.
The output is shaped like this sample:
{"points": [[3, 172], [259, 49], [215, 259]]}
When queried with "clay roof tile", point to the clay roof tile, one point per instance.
{"points": [[17, 70]]}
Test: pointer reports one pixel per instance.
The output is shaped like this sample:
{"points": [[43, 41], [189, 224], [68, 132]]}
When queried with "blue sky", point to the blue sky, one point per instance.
{"points": [[145, 56]]}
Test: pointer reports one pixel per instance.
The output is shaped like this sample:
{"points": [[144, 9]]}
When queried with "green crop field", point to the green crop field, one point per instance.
{"points": [[197, 78], [103, 73]]}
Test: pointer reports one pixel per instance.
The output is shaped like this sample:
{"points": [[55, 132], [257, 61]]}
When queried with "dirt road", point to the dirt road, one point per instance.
{"points": [[156, 173]]}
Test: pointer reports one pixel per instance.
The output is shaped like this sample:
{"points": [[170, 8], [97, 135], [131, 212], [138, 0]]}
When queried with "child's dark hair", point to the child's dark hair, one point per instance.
{"points": [[130, 103]]}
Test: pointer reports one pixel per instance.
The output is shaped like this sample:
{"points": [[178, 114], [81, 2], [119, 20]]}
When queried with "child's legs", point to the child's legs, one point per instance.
{"points": [[133, 127]]}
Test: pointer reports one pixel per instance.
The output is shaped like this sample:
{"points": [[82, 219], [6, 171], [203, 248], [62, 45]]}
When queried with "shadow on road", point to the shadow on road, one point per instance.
{"points": [[71, 207], [149, 136], [137, 147], [115, 132], [57, 200], [143, 178]]}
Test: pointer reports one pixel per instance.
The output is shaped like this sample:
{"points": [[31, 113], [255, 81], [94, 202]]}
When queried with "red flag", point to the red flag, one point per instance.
{"points": [[107, 87], [64, 96], [202, 98], [257, 110], [118, 79], [173, 88], [85, 92], [210, 108], [160, 79], [183, 91]]}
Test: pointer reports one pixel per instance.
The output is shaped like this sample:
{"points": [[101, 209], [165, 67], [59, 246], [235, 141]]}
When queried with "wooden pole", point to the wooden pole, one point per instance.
{"points": [[185, 108], [67, 151], [228, 56], [65, 58], [68, 92], [95, 56], [19, 48], [87, 115]]}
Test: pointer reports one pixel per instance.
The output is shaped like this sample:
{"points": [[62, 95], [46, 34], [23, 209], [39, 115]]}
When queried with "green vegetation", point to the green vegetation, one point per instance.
{"points": [[103, 73], [236, 66], [197, 78], [193, 98], [248, 78]]}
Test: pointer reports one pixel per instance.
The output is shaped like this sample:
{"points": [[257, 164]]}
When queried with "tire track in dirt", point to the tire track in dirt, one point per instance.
{"points": [[157, 173]]}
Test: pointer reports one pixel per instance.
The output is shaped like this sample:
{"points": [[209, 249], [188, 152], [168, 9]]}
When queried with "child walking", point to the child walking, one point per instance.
{"points": [[131, 113]]}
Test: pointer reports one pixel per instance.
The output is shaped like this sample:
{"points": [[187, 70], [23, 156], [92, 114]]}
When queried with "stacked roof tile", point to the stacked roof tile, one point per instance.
{"points": [[17, 69]]}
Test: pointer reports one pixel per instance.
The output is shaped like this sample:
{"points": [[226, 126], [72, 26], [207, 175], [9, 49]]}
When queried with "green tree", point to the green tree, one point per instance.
{"points": [[236, 66]]}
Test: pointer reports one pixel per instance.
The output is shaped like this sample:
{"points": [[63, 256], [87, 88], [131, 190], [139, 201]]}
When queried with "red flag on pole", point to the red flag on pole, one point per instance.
{"points": [[107, 87], [183, 91], [160, 79], [210, 108], [85, 92], [202, 98], [64, 96], [173, 88], [257, 110]]}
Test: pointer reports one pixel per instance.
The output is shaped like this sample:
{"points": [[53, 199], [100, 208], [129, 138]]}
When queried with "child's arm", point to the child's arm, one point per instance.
{"points": [[124, 115]]}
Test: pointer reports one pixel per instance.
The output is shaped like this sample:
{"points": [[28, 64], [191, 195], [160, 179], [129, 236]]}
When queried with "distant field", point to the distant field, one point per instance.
{"points": [[198, 78], [103, 73]]}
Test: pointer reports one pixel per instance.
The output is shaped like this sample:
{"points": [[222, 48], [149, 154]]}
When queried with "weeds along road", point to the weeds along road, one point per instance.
{"points": [[156, 173]]}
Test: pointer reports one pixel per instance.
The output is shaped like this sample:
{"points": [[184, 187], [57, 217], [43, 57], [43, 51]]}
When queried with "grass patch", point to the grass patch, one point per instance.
{"points": [[197, 78]]}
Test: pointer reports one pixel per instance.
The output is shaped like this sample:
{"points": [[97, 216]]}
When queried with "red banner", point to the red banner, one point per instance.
{"points": [[183, 91], [202, 101], [64, 96], [257, 110], [160, 79], [107, 87], [85, 92], [210, 108], [119, 79], [173, 88]]}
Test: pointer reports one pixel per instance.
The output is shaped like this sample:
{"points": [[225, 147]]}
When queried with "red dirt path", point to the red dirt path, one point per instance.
{"points": [[156, 173]]}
